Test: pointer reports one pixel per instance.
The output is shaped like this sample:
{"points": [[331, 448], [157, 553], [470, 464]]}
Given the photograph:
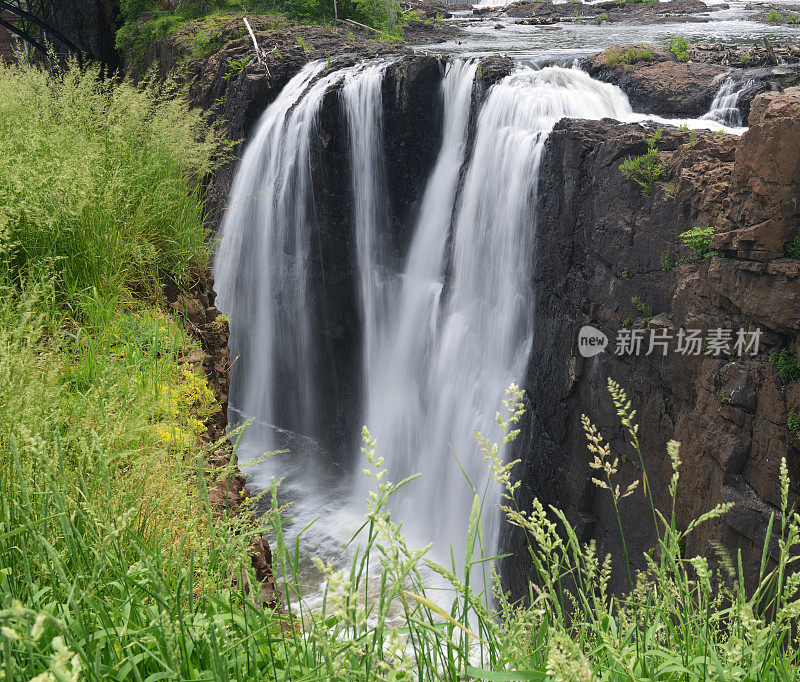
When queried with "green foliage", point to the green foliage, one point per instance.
{"points": [[112, 564], [679, 47], [792, 19], [792, 248], [643, 309], [667, 261], [645, 170], [774, 17], [626, 273], [635, 55], [698, 239], [793, 423], [101, 182], [601, 18], [786, 364], [235, 67]]}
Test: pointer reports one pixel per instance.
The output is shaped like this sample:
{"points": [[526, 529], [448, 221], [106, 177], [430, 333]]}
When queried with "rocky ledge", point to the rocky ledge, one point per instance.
{"points": [[608, 256], [656, 82], [615, 11]]}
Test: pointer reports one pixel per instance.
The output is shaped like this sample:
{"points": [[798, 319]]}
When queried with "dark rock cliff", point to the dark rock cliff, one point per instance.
{"points": [[599, 243]]}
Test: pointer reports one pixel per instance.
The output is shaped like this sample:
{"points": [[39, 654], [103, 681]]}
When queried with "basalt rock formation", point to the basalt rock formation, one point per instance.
{"points": [[599, 244], [657, 83]]}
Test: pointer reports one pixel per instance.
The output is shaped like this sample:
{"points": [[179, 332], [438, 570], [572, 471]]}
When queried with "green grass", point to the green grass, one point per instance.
{"points": [[101, 183]]}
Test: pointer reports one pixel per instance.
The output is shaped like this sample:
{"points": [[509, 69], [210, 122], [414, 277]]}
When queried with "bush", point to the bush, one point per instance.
{"points": [[792, 248], [698, 239], [786, 364], [774, 17], [679, 47], [645, 170], [667, 261]]}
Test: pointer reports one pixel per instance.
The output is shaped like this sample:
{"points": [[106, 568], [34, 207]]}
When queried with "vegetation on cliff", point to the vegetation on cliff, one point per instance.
{"points": [[147, 21]]}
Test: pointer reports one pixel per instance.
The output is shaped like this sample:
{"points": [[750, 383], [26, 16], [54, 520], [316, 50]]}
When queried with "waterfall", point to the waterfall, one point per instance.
{"points": [[444, 333], [724, 109], [261, 269], [462, 327]]}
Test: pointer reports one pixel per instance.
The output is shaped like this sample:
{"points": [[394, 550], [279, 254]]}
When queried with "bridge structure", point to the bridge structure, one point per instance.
{"points": [[22, 18]]}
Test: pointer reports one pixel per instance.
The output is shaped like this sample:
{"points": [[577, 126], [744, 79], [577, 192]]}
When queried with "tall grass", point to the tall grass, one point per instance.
{"points": [[100, 181]]}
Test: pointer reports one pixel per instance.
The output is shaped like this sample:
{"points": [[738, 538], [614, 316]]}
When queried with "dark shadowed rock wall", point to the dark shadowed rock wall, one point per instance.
{"points": [[599, 243]]}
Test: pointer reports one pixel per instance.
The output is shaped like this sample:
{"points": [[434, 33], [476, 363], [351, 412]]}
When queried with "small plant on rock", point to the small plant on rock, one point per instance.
{"points": [[698, 239], [667, 261], [679, 47], [793, 422], [792, 248], [645, 170], [774, 17], [603, 17], [786, 364], [644, 310]]}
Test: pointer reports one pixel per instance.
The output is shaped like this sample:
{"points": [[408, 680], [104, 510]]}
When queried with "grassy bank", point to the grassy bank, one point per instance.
{"points": [[113, 566], [106, 537], [201, 23]]}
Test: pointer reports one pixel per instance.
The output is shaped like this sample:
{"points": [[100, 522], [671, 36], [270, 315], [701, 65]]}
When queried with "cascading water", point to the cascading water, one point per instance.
{"points": [[462, 328], [260, 265], [443, 337], [724, 109]]}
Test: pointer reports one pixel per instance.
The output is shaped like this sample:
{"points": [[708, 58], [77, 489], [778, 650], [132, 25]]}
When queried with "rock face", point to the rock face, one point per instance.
{"points": [[599, 244], [89, 24], [662, 85], [658, 85]]}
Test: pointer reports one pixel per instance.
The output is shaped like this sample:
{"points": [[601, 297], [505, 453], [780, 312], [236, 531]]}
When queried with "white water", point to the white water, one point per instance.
{"points": [[724, 108], [442, 337], [461, 329]]}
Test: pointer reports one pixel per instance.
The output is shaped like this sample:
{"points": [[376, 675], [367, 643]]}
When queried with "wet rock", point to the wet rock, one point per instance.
{"points": [[658, 85], [729, 415]]}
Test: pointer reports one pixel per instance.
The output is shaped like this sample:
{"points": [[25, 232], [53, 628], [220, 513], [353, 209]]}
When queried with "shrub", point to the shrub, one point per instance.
{"points": [[792, 248], [774, 17], [679, 47], [667, 261], [645, 170], [601, 18], [644, 310], [698, 239], [786, 364], [793, 423]]}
